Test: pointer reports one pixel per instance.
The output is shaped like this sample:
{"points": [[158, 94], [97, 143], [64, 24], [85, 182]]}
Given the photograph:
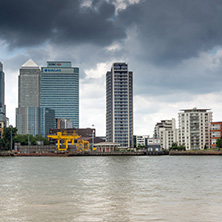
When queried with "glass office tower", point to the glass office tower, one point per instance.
{"points": [[2, 101], [60, 90], [47, 121], [2, 92], [119, 105]]}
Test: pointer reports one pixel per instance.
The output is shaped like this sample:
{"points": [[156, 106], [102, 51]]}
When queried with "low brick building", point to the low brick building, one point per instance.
{"points": [[215, 133], [106, 147]]}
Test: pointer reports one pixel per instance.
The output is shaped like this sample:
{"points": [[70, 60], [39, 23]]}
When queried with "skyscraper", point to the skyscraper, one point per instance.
{"points": [[29, 85], [2, 101], [47, 121], [119, 105], [2, 92], [60, 90], [28, 111]]}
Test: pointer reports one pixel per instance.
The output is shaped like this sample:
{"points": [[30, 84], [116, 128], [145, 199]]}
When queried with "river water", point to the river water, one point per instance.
{"points": [[144, 188]]}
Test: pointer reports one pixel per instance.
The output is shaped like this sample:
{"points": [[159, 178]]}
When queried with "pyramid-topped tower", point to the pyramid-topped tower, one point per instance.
{"points": [[30, 64], [28, 111]]}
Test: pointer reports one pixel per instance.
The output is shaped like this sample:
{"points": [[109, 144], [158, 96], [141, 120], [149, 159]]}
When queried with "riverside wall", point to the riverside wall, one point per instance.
{"points": [[199, 152]]}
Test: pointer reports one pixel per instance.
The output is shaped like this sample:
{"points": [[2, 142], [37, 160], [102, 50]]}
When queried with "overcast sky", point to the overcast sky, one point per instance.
{"points": [[173, 47]]}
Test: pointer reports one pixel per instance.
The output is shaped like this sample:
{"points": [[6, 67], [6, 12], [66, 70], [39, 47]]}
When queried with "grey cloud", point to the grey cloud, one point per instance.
{"points": [[172, 30], [168, 32], [29, 23]]}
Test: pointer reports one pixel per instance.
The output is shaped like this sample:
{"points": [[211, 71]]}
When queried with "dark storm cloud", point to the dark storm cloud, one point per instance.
{"points": [[171, 30], [168, 30], [27, 23]]}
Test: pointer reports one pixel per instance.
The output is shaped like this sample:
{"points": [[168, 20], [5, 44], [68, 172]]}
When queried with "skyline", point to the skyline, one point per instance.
{"points": [[173, 47]]}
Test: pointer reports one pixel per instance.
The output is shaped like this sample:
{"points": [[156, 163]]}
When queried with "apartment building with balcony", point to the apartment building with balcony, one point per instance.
{"points": [[119, 105], [167, 133], [194, 128]]}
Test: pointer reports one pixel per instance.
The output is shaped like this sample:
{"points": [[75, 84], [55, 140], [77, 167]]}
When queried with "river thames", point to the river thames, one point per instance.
{"points": [[124, 188]]}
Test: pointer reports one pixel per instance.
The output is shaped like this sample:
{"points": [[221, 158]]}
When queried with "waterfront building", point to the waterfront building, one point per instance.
{"points": [[215, 132], [47, 116], [194, 128], [106, 147], [60, 90], [141, 140], [153, 144], [83, 132], [28, 113], [28, 120], [167, 132], [2, 101], [119, 105], [29, 85]]}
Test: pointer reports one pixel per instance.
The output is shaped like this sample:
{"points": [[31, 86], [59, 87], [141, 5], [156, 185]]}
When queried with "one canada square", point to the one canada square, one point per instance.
{"points": [[119, 105]]}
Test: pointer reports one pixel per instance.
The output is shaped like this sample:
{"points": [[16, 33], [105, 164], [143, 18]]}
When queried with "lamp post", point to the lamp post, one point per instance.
{"points": [[92, 136], [11, 138]]}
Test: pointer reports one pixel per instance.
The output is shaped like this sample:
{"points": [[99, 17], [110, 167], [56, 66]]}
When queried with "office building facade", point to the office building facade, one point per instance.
{"points": [[28, 120], [119, 105], [60, 90], [194, 128], [47, 121], [28, 111], [29, 85]]}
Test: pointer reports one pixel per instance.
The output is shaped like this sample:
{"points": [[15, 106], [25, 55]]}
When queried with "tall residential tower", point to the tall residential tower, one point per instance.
{"points": [[119, 105]]}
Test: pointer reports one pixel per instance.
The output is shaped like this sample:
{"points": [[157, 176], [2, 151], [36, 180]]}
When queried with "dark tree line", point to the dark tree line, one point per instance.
{"points": [[5, 141]]}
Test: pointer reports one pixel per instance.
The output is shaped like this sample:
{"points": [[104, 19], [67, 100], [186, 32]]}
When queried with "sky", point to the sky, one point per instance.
{"points": [[173, 47]]}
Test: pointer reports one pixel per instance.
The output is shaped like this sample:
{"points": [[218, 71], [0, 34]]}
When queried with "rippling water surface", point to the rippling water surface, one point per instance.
{"points": [[146, 188]]}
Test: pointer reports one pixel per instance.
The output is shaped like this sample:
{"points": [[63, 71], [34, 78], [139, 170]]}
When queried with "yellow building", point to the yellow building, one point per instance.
{"points": [[2, 126]]}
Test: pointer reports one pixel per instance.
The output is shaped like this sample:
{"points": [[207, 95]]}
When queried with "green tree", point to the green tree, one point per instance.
{"points": [[6, 137], [1, 143], [176, 147], [181, 148], [219, 143], [40, 138], [24, 139]]}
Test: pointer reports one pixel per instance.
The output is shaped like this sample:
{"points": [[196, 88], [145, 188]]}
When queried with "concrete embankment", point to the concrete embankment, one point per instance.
{"points": [[6, 153], [69, 154], [199, 152]]}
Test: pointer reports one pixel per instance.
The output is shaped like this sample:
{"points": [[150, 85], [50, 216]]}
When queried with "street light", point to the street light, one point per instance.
{"points": [[11, 138], [92, 136]]}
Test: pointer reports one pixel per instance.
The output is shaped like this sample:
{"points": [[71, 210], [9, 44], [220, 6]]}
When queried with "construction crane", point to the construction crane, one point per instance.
{"points": [[82, 145], [66, 137]]}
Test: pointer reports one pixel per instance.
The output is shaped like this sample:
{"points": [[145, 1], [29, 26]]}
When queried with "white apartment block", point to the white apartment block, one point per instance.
{"points": [[141, 140], [153, 141], [194, 128], [167, 132]]}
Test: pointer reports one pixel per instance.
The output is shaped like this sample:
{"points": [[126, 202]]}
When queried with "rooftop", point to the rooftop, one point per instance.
{"points": [[30, 64], [195, 110]]}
